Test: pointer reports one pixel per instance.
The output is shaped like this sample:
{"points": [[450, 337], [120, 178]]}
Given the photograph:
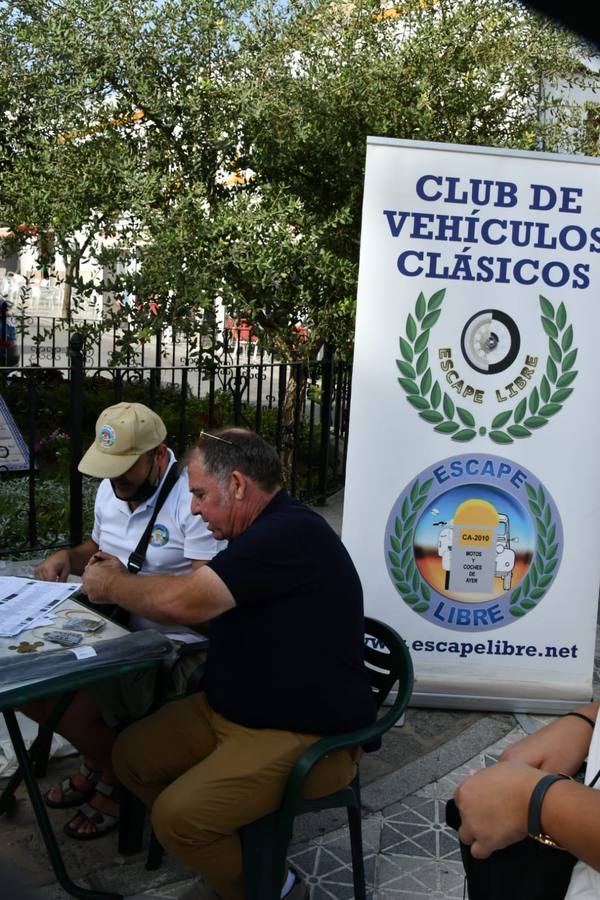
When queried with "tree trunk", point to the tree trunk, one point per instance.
{"points": [[68, 289], [295, 388]]}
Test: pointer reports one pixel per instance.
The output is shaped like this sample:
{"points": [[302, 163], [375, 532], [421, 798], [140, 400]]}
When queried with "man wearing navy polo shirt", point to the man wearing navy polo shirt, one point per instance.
{"points": [[285, 664]]}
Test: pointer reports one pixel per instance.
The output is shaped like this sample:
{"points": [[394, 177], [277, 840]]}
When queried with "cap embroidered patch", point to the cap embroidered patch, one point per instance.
{"points": [[106, 436]]}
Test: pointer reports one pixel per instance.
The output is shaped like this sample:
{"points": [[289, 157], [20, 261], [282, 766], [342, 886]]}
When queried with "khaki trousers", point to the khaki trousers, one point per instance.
{"points": [[203, 777]]}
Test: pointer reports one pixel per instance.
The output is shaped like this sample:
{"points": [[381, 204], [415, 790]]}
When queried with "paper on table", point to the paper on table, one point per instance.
{"points": [[83, 652], [24, 603]]}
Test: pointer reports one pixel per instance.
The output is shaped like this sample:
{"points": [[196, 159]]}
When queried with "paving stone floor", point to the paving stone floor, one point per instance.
{"points": [[410, 854]]}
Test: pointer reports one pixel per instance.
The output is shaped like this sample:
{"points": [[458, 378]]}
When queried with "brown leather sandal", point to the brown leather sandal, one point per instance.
{"points": [[103, 823], [72, 795]]}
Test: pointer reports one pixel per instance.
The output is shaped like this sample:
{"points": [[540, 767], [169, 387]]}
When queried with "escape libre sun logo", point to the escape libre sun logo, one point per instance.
{"points": [[159, 536], [490, 343], [473, 542]]}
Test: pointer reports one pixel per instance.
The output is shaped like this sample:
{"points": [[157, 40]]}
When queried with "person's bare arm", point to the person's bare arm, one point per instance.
{"points": [[561, 746], [70, 561], [181, 599], [494, 804]]}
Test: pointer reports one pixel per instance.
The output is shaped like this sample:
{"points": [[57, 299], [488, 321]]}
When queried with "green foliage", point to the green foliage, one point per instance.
{"points": [[52, 512], [176, 151], [324, 76]]}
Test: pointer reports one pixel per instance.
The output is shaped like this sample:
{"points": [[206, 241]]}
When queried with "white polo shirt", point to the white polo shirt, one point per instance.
{"points": [[177, 536]]}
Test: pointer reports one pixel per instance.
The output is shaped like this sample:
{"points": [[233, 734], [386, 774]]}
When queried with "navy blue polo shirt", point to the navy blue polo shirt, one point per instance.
{"points": [[290, 654]]}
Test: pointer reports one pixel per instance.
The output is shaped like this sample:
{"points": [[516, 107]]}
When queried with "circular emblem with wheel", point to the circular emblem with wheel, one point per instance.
{"points": [[490, 341]]}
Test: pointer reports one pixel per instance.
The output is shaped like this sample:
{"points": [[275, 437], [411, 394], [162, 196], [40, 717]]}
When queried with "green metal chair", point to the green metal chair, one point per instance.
{"points": [[265, 842]]}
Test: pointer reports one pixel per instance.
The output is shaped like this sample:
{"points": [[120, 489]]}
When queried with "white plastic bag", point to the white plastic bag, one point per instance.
{"points": [[29, 729]]}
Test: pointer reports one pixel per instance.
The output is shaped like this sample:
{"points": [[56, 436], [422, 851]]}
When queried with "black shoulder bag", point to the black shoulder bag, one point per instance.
{"points": [[136, 559]]}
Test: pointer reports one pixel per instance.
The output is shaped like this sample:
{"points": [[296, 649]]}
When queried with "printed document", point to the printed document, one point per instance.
{"points": [[24, 603]]}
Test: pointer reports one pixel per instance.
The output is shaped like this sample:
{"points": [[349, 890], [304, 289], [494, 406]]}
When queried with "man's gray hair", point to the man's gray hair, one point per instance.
{"points": [[236, 448]]}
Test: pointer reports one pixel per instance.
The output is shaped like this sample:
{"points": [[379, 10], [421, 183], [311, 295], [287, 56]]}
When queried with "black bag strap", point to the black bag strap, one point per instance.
{"points": [[136, 560]]}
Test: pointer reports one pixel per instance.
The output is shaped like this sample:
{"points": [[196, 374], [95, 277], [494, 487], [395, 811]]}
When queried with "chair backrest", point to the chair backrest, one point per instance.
{"points": [[389, 664]]}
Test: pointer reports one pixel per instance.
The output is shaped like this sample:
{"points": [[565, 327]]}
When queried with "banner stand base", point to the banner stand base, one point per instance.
{"points": [[546, 706]]}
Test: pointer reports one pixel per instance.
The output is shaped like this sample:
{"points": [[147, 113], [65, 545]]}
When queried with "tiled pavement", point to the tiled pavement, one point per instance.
{"points": [[410, 853]]}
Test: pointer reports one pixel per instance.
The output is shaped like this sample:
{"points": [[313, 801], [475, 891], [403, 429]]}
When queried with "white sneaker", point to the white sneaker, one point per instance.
{"points": [[299, 889]]}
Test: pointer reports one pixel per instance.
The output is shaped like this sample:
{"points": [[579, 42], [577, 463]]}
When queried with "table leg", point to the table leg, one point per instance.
{"points": [[43, 819], [38, 752]]}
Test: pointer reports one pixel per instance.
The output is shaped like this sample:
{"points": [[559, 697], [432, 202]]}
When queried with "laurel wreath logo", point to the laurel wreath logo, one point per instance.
{"points": [[437, 407], [414, 590], [407, 577], [540, 574]]}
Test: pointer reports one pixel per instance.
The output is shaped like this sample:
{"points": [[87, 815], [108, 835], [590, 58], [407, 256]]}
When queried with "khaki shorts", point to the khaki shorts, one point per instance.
{"points": [[132, 696]]}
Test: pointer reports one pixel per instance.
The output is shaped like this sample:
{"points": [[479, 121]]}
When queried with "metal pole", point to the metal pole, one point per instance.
{"points": [[76, 429], [32, 397], [158, 358], [3, 333], [326, 396]]}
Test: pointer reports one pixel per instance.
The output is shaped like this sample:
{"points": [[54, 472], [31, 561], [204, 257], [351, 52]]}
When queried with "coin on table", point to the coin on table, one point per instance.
{"points": [[26, 647]]}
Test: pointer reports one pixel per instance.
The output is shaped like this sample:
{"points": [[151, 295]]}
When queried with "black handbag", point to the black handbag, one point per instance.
{"points": [[526, 870]]}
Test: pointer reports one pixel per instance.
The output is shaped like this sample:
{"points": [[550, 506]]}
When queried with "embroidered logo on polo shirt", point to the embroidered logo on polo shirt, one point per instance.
{"points": [[106, 437], [159, 536]]}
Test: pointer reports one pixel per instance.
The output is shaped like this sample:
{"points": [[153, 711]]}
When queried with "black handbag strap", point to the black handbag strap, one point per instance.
{"points": [[136, 560]]}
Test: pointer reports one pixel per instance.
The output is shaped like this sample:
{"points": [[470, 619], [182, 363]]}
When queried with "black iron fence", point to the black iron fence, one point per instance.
{"points": [[301, 408], [38, 340]]}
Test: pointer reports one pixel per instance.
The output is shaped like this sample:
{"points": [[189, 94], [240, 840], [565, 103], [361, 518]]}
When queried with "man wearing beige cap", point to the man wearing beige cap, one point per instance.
{"points": [[130, 455]]}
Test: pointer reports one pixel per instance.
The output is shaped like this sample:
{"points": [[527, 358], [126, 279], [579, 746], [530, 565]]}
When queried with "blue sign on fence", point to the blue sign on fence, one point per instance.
{"points": [[14, 453]]}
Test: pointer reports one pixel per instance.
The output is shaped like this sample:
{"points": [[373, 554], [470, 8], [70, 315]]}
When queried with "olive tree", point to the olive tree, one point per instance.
{"points": [[129, 128], [194, 149], [324, 76]]}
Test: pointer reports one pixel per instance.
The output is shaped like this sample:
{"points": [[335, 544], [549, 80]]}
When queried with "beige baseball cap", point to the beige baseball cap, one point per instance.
{"points": [[123, 432]]}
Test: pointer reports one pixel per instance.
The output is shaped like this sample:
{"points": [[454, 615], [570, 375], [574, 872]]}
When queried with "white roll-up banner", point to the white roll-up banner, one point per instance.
{"points": [[472, 487]]}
